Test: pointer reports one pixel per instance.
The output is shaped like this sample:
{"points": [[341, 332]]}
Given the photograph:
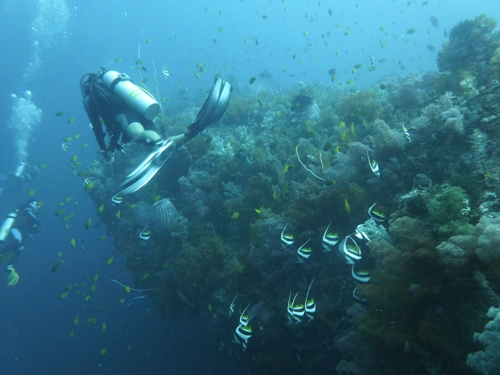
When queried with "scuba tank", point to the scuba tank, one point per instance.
{"points": [[7, 225], [135, 96], [20, 170]]}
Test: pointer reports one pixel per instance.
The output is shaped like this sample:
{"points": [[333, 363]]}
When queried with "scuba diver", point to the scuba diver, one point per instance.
{"points": [[14, 181], [18, 225], [128, 112]]}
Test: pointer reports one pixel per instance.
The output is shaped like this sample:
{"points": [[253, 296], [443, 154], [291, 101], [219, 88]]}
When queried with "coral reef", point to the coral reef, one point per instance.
{"points": [[410, 172]]}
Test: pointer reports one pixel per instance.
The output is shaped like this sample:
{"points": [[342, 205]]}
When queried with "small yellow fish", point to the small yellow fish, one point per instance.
{"points": [[235, 215], [258, 211], [149, 40], [59, 254], [100, 208], [74, 158], [209, 307], [88, 223], [109, 261], [127, 289], [75, 321], [346, 206], [122, 300], [58, 114], [103, 350], [59, 212], [306, 33], [103, 327], [103, 237], [354, 70], [31, 193], [71, 334], [67, 199], [68, 139], [164, 264], [85, 145], [63, 296], [76, 136], [94, 279], [72, 242], [71, 120], [118, 214], [351, 128], [42, 166], [88, 299], [118, 59], [92, 288]]}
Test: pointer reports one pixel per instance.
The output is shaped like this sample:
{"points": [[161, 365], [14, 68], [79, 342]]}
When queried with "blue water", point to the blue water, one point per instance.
{"points": [[239, 39]]}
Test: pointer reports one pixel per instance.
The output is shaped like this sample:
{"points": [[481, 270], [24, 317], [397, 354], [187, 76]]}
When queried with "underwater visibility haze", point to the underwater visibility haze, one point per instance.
{"points": [[340, 216]]}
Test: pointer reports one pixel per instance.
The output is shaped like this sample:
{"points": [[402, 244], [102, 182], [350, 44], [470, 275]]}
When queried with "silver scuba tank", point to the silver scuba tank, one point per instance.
{"points": [[135, 96], [7, 225], [20, 170]]}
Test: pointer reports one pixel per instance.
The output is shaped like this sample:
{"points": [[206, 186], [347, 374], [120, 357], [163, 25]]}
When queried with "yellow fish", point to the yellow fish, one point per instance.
{"points": [[122, 300], [67, 199], [118, 59], [74, 158], [75, 321], [85, 145], [71, 334], [71, 120], [68, 139], [103, 350], [346, 206], [103, 237], [127, 289], [235, 215], [109, 261], [63, 296], [31, 193], [103, 327], [76, 136], [42, 166], [72, 242], [94, 279], [100, 208], [59, 212], [88, 223], [92, 288], [118, 214], [149, 40]]}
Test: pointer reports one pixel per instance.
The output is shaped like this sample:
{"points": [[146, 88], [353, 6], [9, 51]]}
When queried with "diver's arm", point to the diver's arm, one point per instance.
{"points": [[95, 123]]}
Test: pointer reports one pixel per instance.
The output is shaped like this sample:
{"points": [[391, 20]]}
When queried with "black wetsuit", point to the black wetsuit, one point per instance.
{"points": [[26, 225], [116, 115]]}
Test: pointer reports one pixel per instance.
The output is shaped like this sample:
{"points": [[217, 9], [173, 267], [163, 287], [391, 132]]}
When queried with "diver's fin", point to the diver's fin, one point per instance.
{"points": [[213, 108], [148, 168]]}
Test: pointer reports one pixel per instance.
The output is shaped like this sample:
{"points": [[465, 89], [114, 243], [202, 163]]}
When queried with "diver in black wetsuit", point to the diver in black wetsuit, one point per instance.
{"points": [[18, 225], [14, 181], [126, 110]]}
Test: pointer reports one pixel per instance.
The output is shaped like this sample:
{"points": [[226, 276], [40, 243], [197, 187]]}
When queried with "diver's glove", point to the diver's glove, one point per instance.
{"points": [[13, 277]]}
